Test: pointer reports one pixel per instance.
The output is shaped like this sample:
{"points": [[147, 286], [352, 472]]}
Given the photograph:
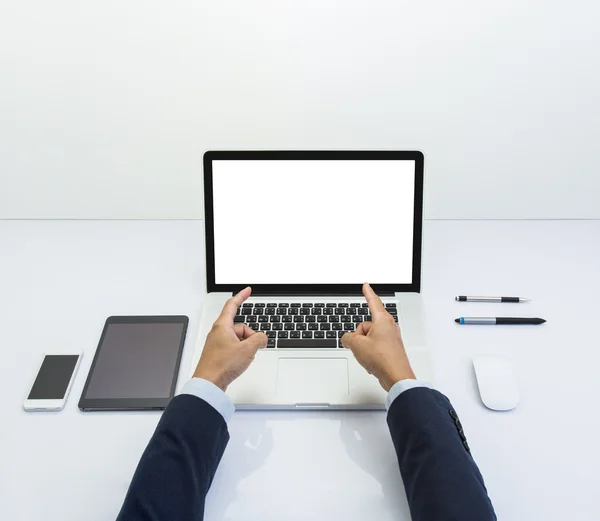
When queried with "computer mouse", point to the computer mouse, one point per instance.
{"points": [[497, 382]]}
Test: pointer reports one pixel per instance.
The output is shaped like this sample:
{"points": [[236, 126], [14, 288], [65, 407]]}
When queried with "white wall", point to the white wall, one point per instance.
{"points": [[106, 107]]}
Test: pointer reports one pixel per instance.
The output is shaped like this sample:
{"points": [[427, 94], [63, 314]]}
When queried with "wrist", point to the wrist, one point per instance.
{"points": [[210, 377], [390, 378]]}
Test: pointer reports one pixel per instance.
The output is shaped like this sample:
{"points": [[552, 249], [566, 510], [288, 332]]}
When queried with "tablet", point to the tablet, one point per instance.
{"points": [[136, 364]]}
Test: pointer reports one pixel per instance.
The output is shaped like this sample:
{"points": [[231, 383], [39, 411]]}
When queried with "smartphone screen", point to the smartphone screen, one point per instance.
{"points": [[53, 378]]}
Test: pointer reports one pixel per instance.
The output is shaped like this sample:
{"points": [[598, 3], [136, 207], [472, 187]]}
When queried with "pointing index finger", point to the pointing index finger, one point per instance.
{"points": [[375, 304], [231, 306]]}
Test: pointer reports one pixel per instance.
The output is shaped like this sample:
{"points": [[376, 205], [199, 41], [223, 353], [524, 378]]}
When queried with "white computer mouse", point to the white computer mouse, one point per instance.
{"points": [[497, 382]]}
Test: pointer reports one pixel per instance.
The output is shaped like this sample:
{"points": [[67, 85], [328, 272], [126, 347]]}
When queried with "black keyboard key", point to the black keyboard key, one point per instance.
{"points": [[281, 311], [247, 305], [321, 318], [351, 311], [254, 326], [265, 326], [308, 343], [336, 327], [277, 326], [298, 318], [346, 318], [316, 311], [355, 305], [390, 305], [342, 305], [269, 311], [396, 318], [364, 305], [328, 311], [247, 311], [363, 311], [348, 326], [330, 334], [272, 305], [305, 311], [392, 311], [319, 334], [257, 311], [295, 305], [271, 334], [293, 334], [340, 311], [263, 318], [251, 319], [259, 305], [340, 344], [330, 305], [282, 334], [292, 311], [333, 318], [288, 327], [319, 305], [301, 327], [284, 305], [270, 342], [306, 305], [341, 333], [357, 318], [238, 311], [325, 326], [368, 318], [238, 320], [310, 318], [274, 319], [286, 318], [313, 327], [307, 334]]}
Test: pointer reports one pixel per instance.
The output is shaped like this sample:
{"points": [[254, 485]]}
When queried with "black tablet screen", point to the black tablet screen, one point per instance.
{"points": [[136, 361]]}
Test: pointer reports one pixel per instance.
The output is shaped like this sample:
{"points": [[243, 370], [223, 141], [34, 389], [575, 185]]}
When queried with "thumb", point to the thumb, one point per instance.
{"points": [[352, 340], [255, 342]]}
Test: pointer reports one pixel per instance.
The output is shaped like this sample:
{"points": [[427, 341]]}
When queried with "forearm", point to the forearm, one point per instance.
{"points": [[178, 465], [441, 479]]}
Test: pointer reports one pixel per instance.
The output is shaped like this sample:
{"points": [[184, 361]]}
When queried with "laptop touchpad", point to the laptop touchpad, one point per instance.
{"points": [[312, 380]]}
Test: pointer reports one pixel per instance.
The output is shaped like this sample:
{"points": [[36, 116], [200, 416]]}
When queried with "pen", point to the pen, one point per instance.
{"points": [[462, 298], [499, 321]]}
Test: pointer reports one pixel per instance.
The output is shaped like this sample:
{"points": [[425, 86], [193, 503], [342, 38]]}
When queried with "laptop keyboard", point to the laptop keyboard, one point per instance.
{"points": [[306, 325]]}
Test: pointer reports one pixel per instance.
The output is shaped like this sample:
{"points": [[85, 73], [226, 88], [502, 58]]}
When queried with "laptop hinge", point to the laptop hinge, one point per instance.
{"points": [[316, 294]]}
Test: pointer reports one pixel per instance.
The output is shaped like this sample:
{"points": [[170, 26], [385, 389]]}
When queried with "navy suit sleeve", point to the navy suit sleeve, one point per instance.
{"points": [[178, 466], [441, 479]]}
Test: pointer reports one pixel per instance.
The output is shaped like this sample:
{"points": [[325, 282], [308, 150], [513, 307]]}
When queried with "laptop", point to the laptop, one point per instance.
{"points": [[305, 229]]}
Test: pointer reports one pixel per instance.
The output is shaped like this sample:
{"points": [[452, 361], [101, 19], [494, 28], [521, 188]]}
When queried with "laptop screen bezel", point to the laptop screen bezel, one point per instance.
{"points": [[309, 289]]}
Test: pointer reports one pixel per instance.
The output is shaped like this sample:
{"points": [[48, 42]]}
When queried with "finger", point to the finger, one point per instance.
{"points": [[375, 304], [243, 331], [255, 342], [232, 305], [364, 328]]}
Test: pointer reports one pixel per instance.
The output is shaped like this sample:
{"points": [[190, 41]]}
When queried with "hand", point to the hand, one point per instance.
{"points": [[378, 346], [224, 357]]}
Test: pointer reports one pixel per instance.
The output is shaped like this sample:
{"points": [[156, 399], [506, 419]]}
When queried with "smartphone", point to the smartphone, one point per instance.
{"points": [[53, 382]]}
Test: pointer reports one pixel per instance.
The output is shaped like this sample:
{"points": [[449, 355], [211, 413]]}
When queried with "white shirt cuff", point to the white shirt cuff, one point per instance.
{"points": [[399, 387], [211, 394]]}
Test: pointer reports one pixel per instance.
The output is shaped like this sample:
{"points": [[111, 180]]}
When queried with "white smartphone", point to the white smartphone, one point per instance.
{"points": [[53, 382]]}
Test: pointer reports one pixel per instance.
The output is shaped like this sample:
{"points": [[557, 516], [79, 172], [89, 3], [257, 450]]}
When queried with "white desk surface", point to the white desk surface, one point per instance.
{"points": [[60, 280]]}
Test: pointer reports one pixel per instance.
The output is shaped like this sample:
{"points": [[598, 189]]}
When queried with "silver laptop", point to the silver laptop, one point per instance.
{"points": [[305, 229]]}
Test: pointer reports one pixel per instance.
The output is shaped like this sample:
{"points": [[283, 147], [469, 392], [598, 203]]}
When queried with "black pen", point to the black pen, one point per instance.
{"points": [[500, 321], [463, 298]]}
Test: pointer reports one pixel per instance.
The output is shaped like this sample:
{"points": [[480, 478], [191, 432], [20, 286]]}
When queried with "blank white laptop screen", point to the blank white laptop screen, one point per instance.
{"points": [[313, 221]]}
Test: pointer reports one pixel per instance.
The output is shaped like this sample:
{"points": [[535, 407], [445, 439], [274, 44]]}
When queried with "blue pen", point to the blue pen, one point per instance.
{"points": [[500, 321]]}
